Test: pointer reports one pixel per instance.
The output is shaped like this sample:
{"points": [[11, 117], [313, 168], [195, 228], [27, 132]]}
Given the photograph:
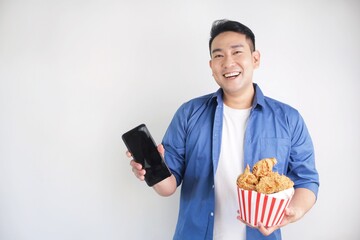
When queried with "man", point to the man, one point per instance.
{"points": [[211, 138]]}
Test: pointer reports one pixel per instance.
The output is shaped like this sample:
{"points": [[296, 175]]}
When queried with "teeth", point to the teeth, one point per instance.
{"points": [[232, 74]]}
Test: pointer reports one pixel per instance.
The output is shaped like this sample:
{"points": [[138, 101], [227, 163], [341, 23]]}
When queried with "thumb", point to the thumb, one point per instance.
{"points": [[289, 212], [161, 149]]}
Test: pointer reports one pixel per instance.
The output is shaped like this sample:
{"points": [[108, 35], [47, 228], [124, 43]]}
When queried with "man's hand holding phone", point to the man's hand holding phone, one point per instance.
{"points": [[141, 146], [165, 187], [137, 168]]}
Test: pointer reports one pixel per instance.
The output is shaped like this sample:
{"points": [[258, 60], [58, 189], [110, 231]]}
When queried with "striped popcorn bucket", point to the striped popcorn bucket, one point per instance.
{"points": [[269, 209]]}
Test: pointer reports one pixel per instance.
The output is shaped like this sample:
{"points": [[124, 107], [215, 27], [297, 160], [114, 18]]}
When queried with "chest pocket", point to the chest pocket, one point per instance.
{"points": [[278, 148]]}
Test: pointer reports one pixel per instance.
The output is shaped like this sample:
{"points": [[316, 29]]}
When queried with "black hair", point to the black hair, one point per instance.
{"points": [[224, 25]]}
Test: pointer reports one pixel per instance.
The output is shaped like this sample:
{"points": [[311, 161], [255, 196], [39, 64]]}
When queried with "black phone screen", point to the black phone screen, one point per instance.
{"points": [[144, 151]]}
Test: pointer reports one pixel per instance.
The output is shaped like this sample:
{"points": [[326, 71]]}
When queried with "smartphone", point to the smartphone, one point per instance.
{"points": [[144, 151]]}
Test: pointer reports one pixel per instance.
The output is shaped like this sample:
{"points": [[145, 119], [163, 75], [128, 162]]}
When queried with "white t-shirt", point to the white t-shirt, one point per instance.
{"points": [[227, 226]]}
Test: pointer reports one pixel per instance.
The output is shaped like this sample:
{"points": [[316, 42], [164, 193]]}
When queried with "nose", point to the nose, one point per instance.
{"points": [[228, 61]]}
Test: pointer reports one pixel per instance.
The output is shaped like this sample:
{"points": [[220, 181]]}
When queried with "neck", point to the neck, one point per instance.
{"points": [[241, 100]]}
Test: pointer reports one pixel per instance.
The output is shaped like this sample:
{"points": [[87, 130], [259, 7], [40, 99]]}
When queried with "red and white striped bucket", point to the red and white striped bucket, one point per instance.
{"points": [[265, 208]]}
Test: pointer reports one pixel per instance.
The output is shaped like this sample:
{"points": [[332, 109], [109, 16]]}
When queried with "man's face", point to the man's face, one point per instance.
{"points": [[232, 62]]}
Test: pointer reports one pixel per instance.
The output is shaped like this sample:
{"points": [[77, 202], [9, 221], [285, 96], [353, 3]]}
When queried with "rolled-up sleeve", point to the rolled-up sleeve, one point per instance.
{"points": [[301, 167]]}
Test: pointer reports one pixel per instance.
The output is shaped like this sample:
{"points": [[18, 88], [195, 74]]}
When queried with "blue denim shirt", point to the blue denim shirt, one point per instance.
{"points": [[192, 148]]}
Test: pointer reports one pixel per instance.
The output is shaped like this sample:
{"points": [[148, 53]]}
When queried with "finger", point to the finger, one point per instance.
{"points": [[289, 212], [140, 174], [161, 149], [128, 154], [266, 231], [289, 217], [135, 165], [240, 219]]}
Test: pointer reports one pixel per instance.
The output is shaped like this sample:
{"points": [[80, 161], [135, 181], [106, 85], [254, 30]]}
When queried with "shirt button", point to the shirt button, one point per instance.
{"points": [[213, 186], [212, 214]]}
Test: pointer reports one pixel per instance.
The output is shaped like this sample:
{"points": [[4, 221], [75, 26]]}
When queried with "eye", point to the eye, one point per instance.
{"points": [[217, 56], [237, 52]]}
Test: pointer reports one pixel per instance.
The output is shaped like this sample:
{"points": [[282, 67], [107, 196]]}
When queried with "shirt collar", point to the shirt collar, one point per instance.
{"points": [[258, 98]]}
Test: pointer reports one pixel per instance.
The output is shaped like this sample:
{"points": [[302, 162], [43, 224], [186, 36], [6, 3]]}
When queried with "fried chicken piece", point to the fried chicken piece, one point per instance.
{"points": [[263, 167], [262, 179], [284, 183], [247, 180], [266, 185], [273, 182]]}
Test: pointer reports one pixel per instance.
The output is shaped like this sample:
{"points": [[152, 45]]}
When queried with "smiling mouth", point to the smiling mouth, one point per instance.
{"points": [[231, 75]]}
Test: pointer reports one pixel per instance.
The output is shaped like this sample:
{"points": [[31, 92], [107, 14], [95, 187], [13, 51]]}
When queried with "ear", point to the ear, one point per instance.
{"points": [[210, 65], [256, 59]]}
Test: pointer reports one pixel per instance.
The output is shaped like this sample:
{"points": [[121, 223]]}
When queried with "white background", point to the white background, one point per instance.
{"points": [[75, 75]]}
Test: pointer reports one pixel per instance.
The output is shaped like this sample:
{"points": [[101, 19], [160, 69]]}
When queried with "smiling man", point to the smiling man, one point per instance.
{"points": [[211, 138], [233, 61]]}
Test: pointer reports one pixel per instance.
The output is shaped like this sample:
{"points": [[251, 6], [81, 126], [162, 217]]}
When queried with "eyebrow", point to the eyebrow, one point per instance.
{"points": [[233, 47]]}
